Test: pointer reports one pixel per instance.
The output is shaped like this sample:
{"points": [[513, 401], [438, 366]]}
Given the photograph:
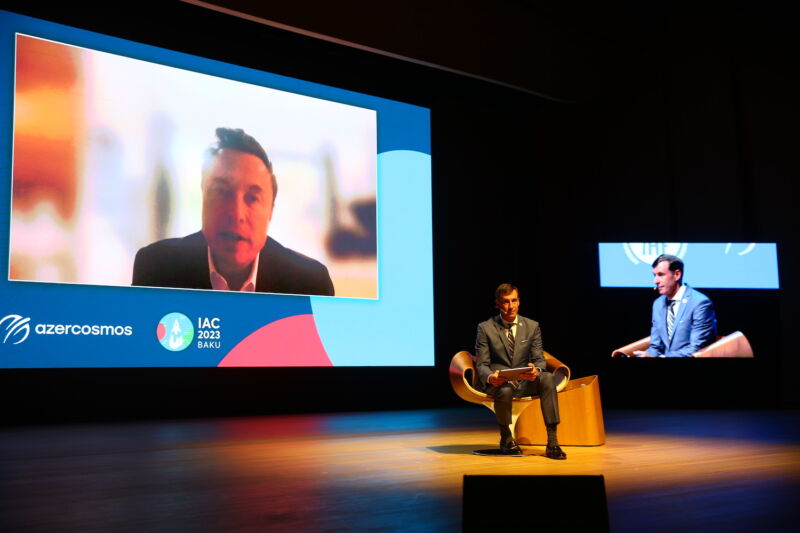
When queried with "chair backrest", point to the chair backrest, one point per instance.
{"points": [[733, 345], [463, 376], [628, 349], [561, 372]]}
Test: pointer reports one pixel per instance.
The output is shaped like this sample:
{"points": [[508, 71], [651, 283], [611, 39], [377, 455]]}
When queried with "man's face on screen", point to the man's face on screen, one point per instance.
{"points": [[508, 304], [237, 208], [666, 280]]}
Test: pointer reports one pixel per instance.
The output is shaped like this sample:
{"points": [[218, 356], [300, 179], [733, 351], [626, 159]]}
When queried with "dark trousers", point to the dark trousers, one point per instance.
{"points": [[543, 386]]}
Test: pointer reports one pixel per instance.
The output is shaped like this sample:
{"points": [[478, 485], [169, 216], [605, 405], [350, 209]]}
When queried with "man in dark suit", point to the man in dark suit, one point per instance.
{"points": [[233, 252], [509, 340], [683, 319]]}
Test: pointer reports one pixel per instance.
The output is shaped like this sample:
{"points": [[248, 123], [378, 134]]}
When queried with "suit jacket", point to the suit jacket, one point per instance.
{"points": [[183, 263], [491, 347], [695, 326]]}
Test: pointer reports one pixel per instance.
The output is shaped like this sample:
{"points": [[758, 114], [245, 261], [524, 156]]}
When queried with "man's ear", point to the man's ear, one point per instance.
{"points": [[679, 274]]}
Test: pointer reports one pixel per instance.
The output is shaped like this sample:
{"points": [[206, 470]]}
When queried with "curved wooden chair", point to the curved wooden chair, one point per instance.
{"points": [[733, 345], [463, 378]]}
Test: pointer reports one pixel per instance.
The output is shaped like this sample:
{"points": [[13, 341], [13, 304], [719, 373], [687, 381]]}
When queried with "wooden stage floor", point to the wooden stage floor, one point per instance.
{"points": [[390, 471]]}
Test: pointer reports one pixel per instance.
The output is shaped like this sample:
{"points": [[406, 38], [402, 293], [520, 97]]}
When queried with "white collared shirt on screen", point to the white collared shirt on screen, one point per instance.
{"points": [[218, 283], [678, 298]]}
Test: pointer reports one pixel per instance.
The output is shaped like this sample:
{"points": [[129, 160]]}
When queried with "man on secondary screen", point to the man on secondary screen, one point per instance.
{"points": [[233, 251], [683, 319]]}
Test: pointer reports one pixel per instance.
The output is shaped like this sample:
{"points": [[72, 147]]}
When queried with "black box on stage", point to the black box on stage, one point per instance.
{"points": [[535, 503]]}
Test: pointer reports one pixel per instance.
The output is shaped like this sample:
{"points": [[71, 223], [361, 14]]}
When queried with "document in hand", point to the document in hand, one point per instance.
{"points": [[513, 373]]}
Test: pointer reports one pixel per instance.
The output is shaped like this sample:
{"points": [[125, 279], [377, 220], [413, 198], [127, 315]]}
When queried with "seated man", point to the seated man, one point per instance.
{"points": [[683, 319], [512, 341], [233, 251]]}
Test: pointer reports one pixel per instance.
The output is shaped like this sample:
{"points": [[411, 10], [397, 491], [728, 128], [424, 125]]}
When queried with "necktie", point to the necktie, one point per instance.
{"points": [[671, 318], [510, 337]]}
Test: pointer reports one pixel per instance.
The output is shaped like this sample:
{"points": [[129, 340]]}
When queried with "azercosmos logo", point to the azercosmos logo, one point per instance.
{"points": [[15, 329], [74, 329]]}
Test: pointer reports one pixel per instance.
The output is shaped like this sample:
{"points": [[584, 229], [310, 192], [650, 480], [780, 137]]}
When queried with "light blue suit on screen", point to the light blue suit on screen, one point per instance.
{"points": [[695, 326]]}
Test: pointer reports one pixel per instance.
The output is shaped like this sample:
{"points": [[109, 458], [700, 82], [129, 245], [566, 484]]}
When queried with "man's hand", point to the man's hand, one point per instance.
{"points": [[641, 353], [496, 379], [532, 375]]}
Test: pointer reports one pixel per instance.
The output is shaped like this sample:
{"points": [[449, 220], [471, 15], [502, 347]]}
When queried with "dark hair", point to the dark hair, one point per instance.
{"points": [[237, 139], [504, 289], [674, 262]]}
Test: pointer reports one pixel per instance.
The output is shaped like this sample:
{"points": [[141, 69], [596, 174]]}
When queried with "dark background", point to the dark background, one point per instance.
{"points": [[555, 125]]}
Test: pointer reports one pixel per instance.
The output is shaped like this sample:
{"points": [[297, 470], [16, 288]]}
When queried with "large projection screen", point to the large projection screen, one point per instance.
{"points": [[105, 149]]}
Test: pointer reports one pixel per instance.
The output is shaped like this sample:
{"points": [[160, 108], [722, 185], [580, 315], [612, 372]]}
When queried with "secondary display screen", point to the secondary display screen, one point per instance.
{"points": [[717, 321], [139, 182]]}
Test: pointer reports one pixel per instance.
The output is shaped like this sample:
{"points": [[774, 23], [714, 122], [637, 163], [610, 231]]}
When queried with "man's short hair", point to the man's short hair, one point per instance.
{"points": [[674, 262], [503, 289], [237, 139]]}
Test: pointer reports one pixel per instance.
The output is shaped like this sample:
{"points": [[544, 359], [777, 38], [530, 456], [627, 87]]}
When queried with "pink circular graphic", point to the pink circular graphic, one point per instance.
{"points": [[291, 341], [161, 331]]}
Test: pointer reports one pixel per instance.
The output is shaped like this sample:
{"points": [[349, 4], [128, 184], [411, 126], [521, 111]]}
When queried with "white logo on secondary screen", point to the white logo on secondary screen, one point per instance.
{"points": [[646, 252]]}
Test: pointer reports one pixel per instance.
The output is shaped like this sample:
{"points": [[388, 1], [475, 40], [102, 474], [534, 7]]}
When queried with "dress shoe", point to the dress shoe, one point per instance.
{"points": [[510, 447], [555, 452]]}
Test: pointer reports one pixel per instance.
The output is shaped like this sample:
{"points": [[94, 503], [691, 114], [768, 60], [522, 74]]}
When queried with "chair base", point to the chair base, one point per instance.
{"points": [[581, 417]]}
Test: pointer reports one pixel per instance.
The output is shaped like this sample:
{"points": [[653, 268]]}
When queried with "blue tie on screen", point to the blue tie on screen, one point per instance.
{"points": [[671, 318]]}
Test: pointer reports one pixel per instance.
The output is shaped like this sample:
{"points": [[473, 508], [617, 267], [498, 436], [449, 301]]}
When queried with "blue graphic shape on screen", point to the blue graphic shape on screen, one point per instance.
{"points": [[710, 265], [376, 332], [93, 327]]}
